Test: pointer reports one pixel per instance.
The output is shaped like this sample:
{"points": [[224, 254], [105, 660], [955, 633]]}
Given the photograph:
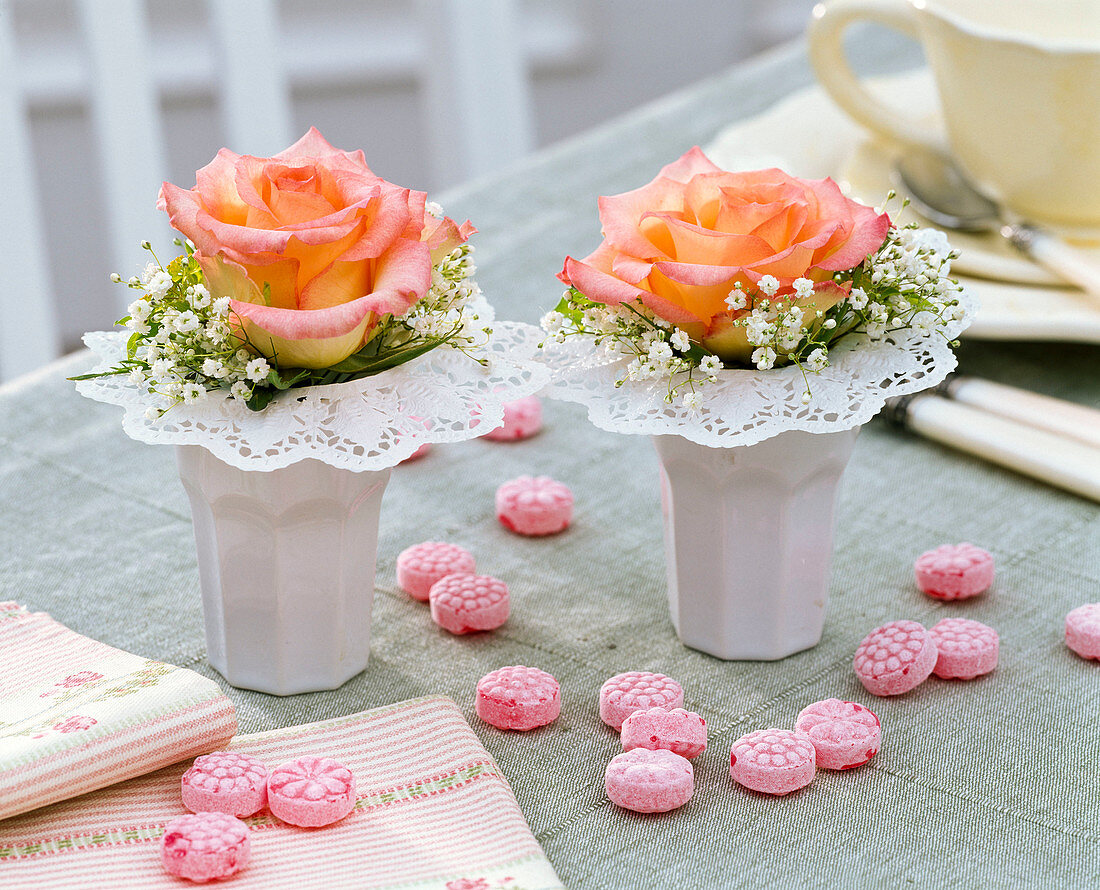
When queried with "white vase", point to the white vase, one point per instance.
{"points": [[749, 540], [286, 565]]}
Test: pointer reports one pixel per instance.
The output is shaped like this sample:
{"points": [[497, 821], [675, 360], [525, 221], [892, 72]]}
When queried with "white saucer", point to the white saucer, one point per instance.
{"points": [[808, 136]]}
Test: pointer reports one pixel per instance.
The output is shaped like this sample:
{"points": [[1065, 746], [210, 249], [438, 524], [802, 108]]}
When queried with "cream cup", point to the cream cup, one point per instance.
{"points": [[1019, 88]]}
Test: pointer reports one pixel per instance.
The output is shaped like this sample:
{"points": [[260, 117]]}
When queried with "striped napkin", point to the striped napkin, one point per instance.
{"points": [[77, 715], [433, 812]]}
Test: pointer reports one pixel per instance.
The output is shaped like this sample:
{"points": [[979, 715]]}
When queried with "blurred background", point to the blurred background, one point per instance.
{"points": [[102, 99]]}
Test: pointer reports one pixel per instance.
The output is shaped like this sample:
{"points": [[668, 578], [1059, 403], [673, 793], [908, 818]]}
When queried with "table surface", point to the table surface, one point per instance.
{"points": [[987, 783]]}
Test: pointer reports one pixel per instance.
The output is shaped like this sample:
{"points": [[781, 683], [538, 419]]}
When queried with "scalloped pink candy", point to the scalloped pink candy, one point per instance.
{"points": [[895, 658], [676, 730], [632, 691], [967, 649], [522, 419], [420, 566], [463, 604], [649, 781], [954, 571], [534, 505], [518, 697], [844, 734], [773, 761], [311, 791], [225, 782], [205, 846], [1083, 630]]}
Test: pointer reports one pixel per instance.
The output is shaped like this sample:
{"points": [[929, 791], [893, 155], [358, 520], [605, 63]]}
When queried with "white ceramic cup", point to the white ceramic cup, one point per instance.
{"points": [[1019, 87]]}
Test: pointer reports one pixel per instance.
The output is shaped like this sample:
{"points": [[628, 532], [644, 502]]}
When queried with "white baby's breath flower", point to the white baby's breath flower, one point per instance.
{"points": [[186, 322], [212, 367], [240, 390], [857, 298], [803, 287], [257, 369], [693, 401], [660, 351], [816, 360], [768, 285], [710, 365], [192, 392], [552, 322], [764, 358], [152, 413], [139, 309], [138, 326], [737, 299], [221, 306], [680, 341]]}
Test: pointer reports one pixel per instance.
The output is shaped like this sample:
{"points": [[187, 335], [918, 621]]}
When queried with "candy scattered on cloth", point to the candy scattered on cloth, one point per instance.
{"points": [[205, 846], [967, 649], [311, 791], [534, 505], [420, 566], [844, 734], [895, 658], [518, 697], [679, 731], [522, 419], [773, 761], [954, 571], [632, 691], [225, 782], [1083, 630], [649, 781], [463, 604]]}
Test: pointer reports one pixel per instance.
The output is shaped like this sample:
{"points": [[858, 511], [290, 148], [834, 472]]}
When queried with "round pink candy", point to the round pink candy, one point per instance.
{"points": [[844, 735], [773, 761], [895, 658], [522, 419], [624, 694], [225, 782], [419, 453], [518, 697], [1083, 630], [967, 649], [420, 566], [649, 781], [534, 505], [954, 571], [679, 731], [311, 791], [205, 846], [466, 603]]}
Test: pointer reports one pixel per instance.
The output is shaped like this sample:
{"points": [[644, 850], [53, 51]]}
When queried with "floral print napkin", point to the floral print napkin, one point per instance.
{"points": [[433, 812], [77, 714]]}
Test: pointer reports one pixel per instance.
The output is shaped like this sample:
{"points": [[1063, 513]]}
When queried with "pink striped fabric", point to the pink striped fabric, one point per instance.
{"points": [[433, 811], [77, 715]]}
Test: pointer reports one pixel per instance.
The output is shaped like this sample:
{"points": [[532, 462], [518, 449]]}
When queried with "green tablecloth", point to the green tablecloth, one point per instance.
{"points": [[992, 783]]}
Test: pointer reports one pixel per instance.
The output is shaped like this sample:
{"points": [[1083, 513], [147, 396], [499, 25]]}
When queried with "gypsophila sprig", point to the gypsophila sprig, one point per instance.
{"points": [[187, 343], [905, 284]]}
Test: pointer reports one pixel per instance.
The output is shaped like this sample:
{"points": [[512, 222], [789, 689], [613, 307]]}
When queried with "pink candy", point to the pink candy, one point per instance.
{"points": [[648, 781], [518, 697], [844, 734], [954, 571], [624, 694], [466, 603], [895, 658], [966, 648], [679, 731], [534, 505], [225, 782], [1083, 630], [205, 846], [522, 419], [773, 761], [420, 566], [311, 791]]}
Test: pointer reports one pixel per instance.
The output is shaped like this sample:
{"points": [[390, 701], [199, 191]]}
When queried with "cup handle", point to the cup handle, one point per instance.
{"points": [[830, 61]]}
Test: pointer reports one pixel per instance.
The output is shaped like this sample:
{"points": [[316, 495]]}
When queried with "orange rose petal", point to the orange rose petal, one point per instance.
{"points": [[782, 229], [630, 269], [600, 287], [216, 184], [621, 215], [696, 245], [701, 302], [691, 163], [278, 272]]}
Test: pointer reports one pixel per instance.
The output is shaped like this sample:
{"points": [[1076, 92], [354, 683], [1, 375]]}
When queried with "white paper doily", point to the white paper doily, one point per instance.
{"points": [[366, 424], [747, 406]]}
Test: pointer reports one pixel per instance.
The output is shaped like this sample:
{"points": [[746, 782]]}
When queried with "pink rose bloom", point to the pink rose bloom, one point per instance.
{"points": [[681, 243], [334, 246]]}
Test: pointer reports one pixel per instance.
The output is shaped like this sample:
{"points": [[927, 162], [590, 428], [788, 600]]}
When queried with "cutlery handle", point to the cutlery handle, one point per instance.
{"points": [[1058, 416], [1037, 453], [1055, 255]]}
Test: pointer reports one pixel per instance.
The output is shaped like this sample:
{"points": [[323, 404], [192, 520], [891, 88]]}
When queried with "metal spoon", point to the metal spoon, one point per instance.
{"points": [[940, 192]]}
